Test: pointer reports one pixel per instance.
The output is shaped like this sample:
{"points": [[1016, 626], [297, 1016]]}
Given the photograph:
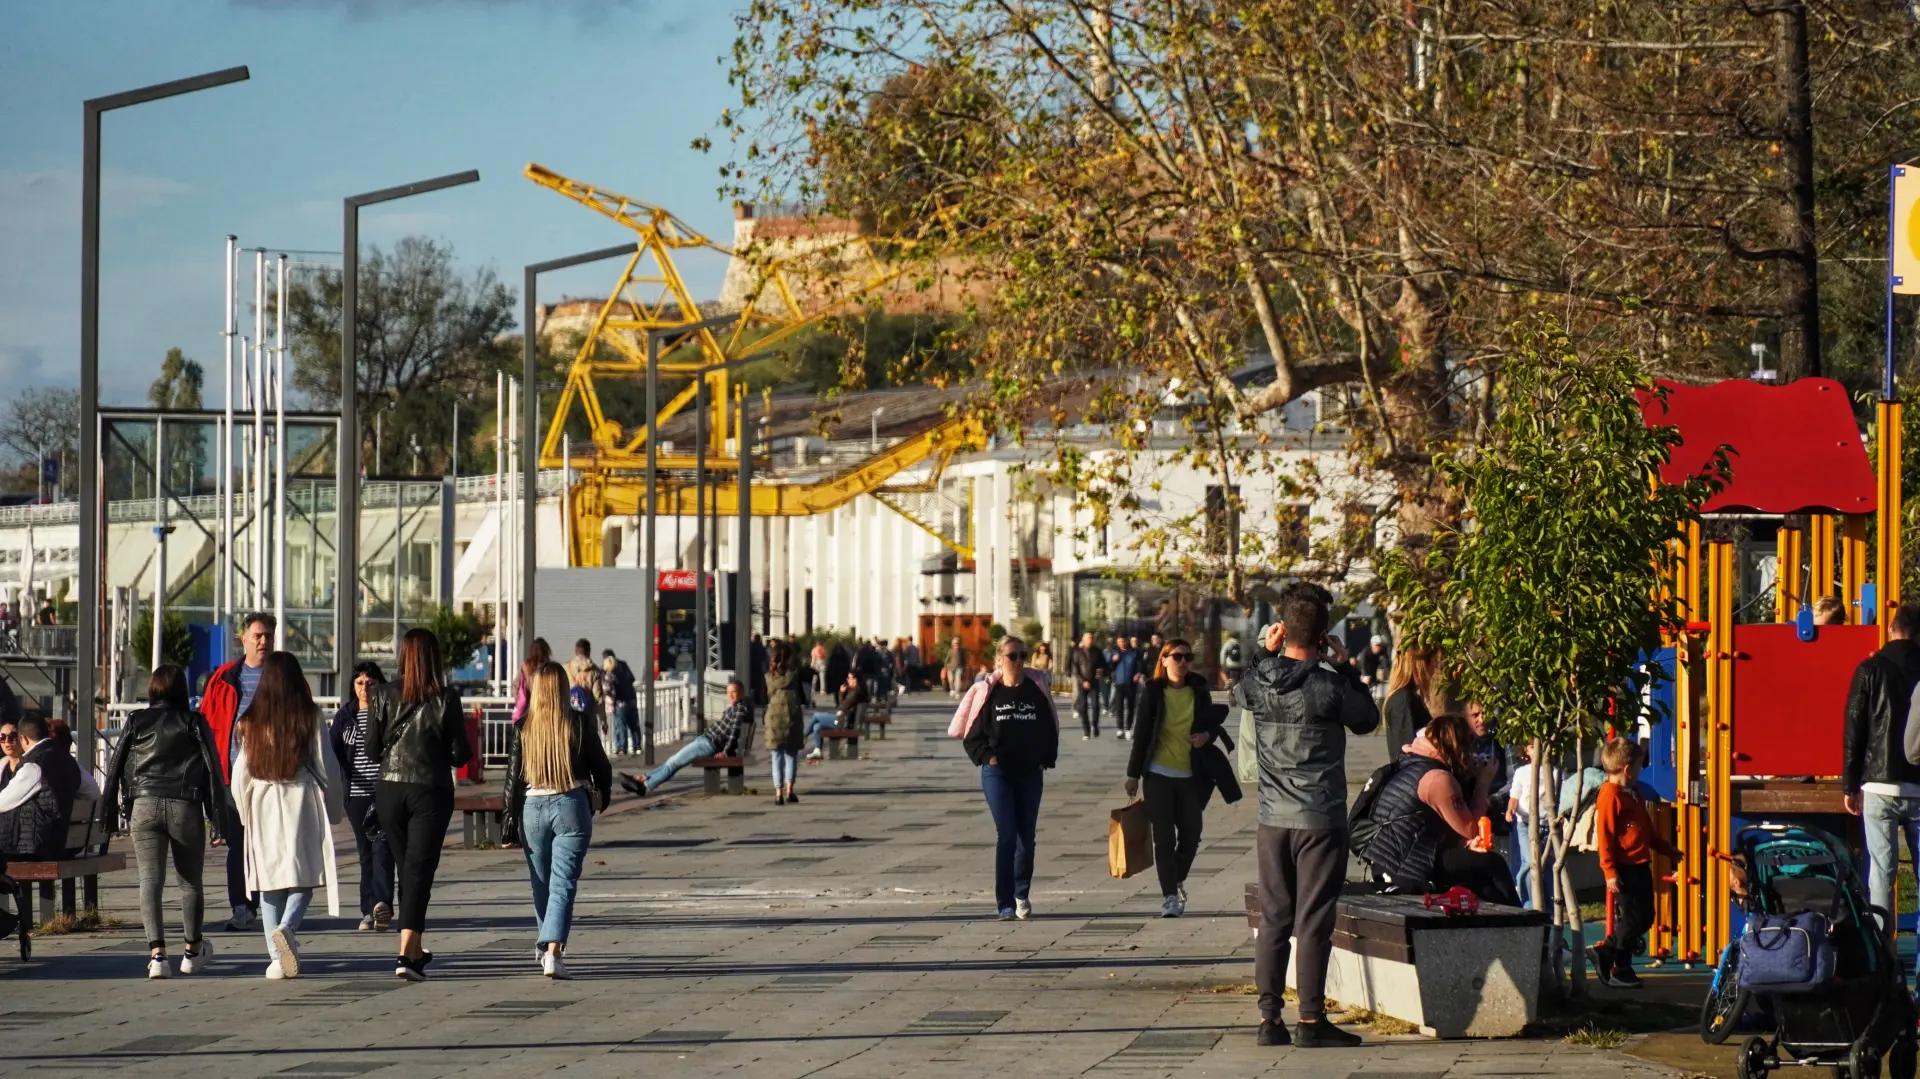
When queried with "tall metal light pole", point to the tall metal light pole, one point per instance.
{"points": [[86, 647], [346, 510], [743, 570], [530, 421]]}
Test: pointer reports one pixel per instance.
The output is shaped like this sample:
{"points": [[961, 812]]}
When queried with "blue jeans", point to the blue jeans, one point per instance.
{"points": [[699, 747], [556, 829], [1887, 819], [784, 764], [283, 909], [626, 729], [1521, 864], [820, 721], [1014, 800]]}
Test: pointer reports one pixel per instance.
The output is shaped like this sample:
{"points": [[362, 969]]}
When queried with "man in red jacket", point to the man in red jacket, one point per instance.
{"points": [[229, 692]]}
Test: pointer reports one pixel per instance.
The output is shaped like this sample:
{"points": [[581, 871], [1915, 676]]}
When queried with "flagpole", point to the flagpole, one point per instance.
{"points": [[1893, 179]]}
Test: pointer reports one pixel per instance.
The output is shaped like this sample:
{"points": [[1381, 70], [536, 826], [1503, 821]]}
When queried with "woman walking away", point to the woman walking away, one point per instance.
{"points": [[1014, 736], [287, 791], [1411, 689], [555, 768], [786, 705], [349, 735], [415, 729], [539, 653], [1173, 718], [165, 779]]}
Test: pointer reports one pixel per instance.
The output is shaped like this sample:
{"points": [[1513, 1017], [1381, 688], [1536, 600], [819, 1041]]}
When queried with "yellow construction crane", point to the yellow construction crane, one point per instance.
{"points": [[650, 296]]}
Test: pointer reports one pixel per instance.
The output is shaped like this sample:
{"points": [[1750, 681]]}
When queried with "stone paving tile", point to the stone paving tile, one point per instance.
{"points": [[850, 936]]}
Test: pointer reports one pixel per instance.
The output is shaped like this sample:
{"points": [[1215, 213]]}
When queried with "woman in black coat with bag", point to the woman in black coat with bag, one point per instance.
{"points": [[1175, 731]]}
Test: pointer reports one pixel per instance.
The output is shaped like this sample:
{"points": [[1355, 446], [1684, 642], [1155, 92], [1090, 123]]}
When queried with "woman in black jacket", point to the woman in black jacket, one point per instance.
{"points": [[165, 779], [416, 732], [362, 769], [1172, 720], [555, 768], [1411, 686], [1014, 738]]}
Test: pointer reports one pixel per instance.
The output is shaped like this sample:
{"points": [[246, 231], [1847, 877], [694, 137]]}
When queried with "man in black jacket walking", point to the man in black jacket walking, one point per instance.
{"points": [[1303, 704], [1087, 665], [1881, 786]]}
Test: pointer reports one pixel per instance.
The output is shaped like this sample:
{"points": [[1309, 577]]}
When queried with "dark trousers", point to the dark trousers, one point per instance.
{"points": [[1301, 871], [376, 859], [237, 895], [1086, 704], [1484, 873], [1014, 800], [1125, 694], [1174, 808], [1632, 913], [415, 818]]}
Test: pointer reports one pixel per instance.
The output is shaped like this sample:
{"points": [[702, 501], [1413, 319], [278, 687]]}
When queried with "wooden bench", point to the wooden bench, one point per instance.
{"points": [[842, 744], [480, 818], [85, 859], [734, 769], [874, 719], [1466, 976]]}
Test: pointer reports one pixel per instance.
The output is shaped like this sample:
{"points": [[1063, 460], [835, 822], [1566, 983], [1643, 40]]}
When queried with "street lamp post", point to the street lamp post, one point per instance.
{"points": [[86, 647], [530, 421], [346, 598]]}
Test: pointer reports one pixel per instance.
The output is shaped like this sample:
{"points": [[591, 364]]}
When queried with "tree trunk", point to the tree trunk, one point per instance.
{"points": [[1536, 752], [1570, 905], [1800, 270]]}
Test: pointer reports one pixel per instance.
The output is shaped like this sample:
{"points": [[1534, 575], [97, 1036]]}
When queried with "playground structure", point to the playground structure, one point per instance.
{"points": [[1752, 721], [788, 295]]}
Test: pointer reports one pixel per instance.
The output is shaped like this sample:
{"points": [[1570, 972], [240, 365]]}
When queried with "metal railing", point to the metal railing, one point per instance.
{"points": [[673, 722]]}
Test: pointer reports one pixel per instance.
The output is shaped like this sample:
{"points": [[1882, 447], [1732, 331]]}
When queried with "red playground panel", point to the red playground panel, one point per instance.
{"points": [[1790, 696], [1797, 448]]}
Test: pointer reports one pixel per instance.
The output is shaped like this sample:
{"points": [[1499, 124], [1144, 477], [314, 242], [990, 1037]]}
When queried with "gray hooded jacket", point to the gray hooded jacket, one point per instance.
{"points": [[1302, 712]]}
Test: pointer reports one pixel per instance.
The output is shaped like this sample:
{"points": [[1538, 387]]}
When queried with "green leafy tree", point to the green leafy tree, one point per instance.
{"points": [[1544, 598], [459, 634], [178, 389], [176, 643]]}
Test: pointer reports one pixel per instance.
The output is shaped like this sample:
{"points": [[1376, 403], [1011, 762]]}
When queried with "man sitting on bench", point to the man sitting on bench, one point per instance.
{"points": [[720, 739], [846, 714], [35, 807]]}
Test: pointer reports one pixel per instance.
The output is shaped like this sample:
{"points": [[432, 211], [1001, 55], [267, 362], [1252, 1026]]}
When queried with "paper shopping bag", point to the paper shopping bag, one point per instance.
{"points": [[1129, 841]]}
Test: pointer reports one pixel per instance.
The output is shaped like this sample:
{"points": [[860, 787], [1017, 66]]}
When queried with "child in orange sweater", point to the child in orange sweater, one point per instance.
{"points": [[1623, 830]]}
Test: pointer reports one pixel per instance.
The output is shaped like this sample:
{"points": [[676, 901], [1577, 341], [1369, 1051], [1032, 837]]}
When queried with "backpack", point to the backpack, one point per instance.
{"points": [[1361, 827], [580, 699]]}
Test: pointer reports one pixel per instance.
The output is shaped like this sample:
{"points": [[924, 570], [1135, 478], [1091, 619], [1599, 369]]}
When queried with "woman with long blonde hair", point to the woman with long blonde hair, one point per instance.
{"points": [[1412, 693], [555, 766]]}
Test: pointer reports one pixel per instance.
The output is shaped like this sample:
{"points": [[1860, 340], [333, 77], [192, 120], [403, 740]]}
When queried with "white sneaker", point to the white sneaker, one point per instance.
{"points": [[553, 966], [1022, 909], [274, 973], [197, 957], [157, 967], [1180, 901], [1086, 737], [1170, 907], [286, 953], [814, 755]]}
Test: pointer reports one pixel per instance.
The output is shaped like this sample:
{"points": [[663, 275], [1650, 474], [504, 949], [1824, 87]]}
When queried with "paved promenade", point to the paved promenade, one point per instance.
{"points": [[850, 936]]}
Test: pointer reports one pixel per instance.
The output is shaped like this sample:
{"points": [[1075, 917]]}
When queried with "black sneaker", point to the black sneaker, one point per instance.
{"points": [[634, 784], [1624, 978], [1272, 1033], [1323, 1035], [1602, 956]]}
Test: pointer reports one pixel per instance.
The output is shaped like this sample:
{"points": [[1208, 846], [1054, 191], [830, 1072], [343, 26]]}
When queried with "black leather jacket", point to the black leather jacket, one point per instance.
{"points": [[164, 753], [1877, 718], [589, 762], [417, 743], [1152, 708]]}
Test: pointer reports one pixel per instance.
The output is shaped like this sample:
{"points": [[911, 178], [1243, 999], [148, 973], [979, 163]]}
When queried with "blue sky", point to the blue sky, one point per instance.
{"points": [[346, 96]]}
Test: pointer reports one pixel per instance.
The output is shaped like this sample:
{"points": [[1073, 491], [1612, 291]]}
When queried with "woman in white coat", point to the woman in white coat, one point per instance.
{"points": [[288, 790]]}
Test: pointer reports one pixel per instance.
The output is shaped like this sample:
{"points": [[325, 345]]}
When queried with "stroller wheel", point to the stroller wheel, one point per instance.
{"points": [[1864, 1063], [1756, 1057], [1902, 1058]]}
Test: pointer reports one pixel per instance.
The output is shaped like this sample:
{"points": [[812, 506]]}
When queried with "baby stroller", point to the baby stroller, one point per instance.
{"points": [[1816, 957]]}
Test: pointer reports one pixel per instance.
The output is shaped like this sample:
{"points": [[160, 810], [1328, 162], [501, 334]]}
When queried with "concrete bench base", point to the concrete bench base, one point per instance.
{"points": [[716, 769], [842, 745]]}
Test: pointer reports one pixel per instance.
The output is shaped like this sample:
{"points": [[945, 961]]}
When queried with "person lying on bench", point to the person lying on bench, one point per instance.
{"points": [[720, 739], [38, 801], [845, 716]]}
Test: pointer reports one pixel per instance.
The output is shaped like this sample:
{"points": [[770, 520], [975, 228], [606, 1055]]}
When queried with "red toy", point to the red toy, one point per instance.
{"points": [[1457, 900]]}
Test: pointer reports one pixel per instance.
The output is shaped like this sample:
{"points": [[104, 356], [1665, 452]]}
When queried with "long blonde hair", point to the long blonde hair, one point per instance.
{"points": [[1420, 668], [546, 735]]}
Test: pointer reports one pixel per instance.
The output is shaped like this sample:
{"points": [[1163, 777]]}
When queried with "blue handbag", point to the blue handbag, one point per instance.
{"points": [[1787, 953]]}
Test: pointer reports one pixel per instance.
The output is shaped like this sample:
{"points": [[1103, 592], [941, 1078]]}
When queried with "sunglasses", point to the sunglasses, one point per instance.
{"points": [[1179, 657], [8, 737], [1015, 656]]}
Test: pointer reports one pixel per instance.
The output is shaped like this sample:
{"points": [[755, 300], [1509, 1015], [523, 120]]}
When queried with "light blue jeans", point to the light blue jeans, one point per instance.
{"points": [[784, 765], [820, 721], [556, 829], [283, 909], [1522, 866], [699, 747], [1887, 819]]}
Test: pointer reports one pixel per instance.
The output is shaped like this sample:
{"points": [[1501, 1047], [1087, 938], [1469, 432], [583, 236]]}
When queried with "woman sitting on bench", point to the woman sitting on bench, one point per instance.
{"points": [[845, 716], [720, 739]]}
